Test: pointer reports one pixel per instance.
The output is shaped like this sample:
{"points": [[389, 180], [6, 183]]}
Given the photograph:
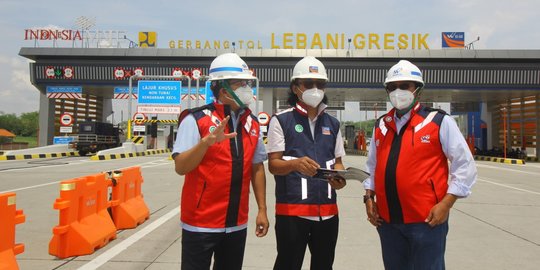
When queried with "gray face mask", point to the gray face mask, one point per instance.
{"points": [[313, 97]]}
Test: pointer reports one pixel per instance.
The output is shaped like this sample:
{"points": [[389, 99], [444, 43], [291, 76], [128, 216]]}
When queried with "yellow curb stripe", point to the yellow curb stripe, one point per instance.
{"points": [[37, 156], [129, 155]]}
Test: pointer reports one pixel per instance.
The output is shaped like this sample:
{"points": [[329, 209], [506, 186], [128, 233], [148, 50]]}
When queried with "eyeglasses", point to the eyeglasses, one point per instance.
{"points": [[241, 82], [309, 84], [404, 85]]}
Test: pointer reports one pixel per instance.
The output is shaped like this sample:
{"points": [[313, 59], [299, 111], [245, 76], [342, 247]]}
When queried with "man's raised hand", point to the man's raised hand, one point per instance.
{"points": [[218, 134]]}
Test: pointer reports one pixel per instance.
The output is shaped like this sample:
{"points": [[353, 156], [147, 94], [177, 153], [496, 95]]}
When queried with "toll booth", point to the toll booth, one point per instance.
{"points": [[350, 136]]}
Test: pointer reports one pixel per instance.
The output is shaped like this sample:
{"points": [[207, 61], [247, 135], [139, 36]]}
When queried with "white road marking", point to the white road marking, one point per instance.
{"points": [[143, 165], [117, 249], [507, 186], [506, 169], [30, 187]]}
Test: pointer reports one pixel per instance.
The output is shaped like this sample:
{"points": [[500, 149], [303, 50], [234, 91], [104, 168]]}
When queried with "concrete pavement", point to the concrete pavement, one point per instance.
{"points": [[496, 228]]}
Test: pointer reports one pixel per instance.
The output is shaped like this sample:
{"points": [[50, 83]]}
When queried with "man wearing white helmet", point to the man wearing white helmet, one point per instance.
{"points": [[219, 149], [301, 140], [411, 188]]}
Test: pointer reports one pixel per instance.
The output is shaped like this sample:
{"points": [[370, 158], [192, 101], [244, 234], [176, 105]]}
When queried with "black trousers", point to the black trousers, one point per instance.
{"points": [[293, 234], [227, 249]]}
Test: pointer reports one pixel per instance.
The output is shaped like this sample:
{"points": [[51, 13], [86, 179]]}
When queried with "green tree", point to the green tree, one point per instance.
{"points": [[11, 123], [367, 126], [29, 124]]}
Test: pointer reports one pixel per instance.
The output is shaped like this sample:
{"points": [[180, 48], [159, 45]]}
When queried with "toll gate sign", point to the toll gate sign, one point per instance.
{"points": [[160, 92], [66, 120]]}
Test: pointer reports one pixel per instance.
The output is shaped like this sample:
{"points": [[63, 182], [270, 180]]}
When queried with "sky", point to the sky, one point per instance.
{"points": [[499, 24]]}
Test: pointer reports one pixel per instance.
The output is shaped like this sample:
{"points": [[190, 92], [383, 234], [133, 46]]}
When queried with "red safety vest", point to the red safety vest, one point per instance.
{"points": [[412, 171], [216, 193]]}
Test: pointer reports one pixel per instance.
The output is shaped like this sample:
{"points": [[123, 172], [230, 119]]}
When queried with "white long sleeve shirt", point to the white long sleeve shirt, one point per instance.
{"points": [[462, 168]]}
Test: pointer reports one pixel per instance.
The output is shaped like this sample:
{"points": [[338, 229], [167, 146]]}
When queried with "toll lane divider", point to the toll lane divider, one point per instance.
{"points": [[129, 155], [36, 156], [9, 216], [500, 160], [84, 222], [89, 216], [128, 208]]}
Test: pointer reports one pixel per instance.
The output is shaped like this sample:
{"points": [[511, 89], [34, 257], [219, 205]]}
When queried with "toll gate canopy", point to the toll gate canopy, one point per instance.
{"points": [[491, 88]]}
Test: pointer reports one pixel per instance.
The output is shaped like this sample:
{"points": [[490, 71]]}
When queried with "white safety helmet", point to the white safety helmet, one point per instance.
{"points": [[309, 68], [404, 71], [229, 66]]}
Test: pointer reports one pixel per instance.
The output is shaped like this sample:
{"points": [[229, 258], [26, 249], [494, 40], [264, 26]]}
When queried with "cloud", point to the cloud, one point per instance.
{"points": [[17, 94]]}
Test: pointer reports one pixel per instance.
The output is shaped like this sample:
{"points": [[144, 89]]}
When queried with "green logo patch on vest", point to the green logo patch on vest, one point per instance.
{"points": [[299, 128]]}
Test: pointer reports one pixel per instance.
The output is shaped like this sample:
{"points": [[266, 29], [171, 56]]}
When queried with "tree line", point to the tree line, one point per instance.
{"points": [[25, 125]]}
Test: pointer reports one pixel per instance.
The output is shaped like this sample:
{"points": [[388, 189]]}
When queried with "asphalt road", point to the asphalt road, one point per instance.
{"points": [[497, 227]]}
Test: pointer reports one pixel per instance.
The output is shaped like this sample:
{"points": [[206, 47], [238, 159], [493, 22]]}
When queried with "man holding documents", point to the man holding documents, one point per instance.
{"points": [[302, 140]]}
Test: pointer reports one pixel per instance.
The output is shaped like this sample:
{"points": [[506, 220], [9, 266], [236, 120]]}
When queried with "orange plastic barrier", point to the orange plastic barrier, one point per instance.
{"points": [[84, 223], [9, 217], [127, 205]]}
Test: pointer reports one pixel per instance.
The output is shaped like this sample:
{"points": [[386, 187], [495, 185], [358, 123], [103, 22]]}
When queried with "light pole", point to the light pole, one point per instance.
{"points": [[503, 111]]}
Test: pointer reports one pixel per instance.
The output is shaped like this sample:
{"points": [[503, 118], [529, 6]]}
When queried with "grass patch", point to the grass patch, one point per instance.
{"points": [[32, 141]]}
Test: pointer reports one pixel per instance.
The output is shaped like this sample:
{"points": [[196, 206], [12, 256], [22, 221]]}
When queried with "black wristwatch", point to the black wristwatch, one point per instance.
{"points": [[368, 197]]}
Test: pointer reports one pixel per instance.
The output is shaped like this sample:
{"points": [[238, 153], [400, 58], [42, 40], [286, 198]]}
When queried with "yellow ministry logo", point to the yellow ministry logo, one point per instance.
{"points": [[147, 39]]}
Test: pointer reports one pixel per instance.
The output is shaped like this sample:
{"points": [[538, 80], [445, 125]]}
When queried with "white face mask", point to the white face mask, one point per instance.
{"points": [[313, 97], [244, 94], [401, 99]]}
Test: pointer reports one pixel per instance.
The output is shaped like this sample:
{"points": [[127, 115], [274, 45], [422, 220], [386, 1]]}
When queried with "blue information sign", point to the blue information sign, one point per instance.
{"points": [[194, 90], [160, 92], [125, 90], [64, 89], [62, 140], [209, 96]]}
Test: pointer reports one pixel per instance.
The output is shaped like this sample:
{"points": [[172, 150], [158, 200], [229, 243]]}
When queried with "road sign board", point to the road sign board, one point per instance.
{"points": [[138, 71], [64, 89], [68, 72], [139, 116], [156, 109], [139, 128], [62, 139], [119, 73], [264, 118], [66, 129], [125, 90], [49, 72], [177, 72], [66, 119], [196, 74], [160, 92]]}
